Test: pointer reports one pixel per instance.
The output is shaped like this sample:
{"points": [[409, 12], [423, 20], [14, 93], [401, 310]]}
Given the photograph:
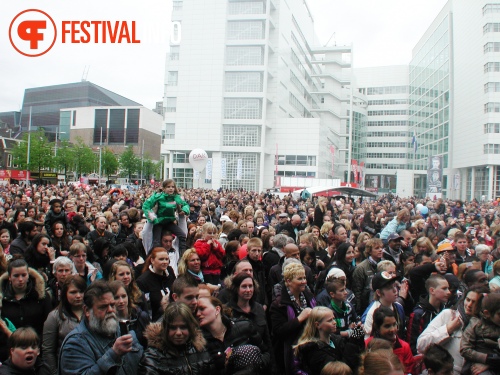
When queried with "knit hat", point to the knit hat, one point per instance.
{"points": [[243, 357]]}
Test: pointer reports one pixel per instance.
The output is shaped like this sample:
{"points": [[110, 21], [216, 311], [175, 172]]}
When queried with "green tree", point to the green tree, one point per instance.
{"points": [[40, 157], [148, 168], [84, 158], [65, 158], [109, 162], [129, 163]]}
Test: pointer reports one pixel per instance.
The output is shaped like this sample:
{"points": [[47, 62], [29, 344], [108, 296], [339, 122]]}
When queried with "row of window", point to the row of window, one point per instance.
{"points": [[296, 174], [491, 27], [387, 144], [390, 155], [295, 103], [387, 90], [387, 134], [492, 107], [492, 128], [388, 102], [492, 67], [308, 160], [492, 87], [385, 166], [168, 132], [491, 8], [492, 47], [387, 123], [388, 112], [491, 148]]}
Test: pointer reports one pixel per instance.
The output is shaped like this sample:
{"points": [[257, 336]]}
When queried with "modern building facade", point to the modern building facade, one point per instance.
{"points": [[248, 83], [45, 103], [455, 98], [114, 128]]}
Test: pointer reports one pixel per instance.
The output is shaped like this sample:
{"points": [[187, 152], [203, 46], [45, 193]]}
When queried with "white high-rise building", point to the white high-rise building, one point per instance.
{"points": [[248, 83]]}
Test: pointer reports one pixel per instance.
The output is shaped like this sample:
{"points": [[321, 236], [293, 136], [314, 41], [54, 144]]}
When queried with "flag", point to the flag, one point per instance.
{"points": [[414, 142]]}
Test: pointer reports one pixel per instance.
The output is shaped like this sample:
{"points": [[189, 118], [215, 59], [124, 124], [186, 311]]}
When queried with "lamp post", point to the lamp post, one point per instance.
{"points": [[100, 159], [29, 146]]}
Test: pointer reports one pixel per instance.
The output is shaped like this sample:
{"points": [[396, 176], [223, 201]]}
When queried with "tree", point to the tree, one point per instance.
{"points": [[65, 158], [40, 152], [109, 162], [148, 168], [84, 158], [129, 163]]}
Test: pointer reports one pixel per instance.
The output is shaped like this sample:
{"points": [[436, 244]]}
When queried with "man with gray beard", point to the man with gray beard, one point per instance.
{"points": [[96, 345]]}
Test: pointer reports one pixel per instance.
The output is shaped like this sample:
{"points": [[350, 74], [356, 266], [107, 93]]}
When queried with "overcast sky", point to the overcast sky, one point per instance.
{"points": [[383, 32]]}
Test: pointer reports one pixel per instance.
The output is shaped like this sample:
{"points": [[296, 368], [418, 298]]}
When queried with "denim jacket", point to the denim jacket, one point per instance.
{"points": [[87, 353]]}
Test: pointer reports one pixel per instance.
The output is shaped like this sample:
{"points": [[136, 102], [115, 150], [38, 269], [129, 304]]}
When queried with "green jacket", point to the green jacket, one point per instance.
{"points": [[167, 206]]}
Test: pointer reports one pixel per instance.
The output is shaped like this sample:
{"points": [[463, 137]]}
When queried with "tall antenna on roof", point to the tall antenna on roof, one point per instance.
{"points": [[85, 73]]}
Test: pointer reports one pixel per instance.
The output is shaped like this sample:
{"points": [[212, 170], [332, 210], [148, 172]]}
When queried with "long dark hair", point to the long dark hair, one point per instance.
{"points": [[236, 283], [33, 257], [64, 308]]}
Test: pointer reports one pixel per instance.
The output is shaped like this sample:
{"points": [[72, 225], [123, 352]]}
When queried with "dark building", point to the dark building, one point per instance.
{"points": [[45, 103]]}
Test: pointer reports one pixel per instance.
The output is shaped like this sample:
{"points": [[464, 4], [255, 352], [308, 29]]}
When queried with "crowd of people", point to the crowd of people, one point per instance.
{"points": [[170, 281]]}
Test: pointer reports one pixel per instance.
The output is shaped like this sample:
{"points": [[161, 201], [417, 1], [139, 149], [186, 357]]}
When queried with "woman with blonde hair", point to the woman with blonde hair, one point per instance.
{"points": [[363, 237], [122, 271], [318, 344], [319, 211], [425, 246]]}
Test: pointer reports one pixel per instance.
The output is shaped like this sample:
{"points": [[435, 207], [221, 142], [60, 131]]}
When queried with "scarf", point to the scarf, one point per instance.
{"points": [[301, 304], [339, 311], [199, 275]]}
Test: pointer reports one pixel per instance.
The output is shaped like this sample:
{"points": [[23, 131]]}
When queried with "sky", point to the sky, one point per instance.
{"points": [[382, 32]]}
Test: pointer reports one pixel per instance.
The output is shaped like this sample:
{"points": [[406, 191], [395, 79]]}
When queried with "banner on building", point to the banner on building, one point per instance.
{"points": [[223, 168], [196, 174], [239, 169], [354, 171], [456, 181], [361, 172], [208, 171], [332, 154], [435, 177]]}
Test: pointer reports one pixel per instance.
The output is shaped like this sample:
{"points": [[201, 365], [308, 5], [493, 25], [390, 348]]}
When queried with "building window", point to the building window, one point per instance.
{"points": [[492, 27], [183, 177], [177, 5], [116, 126], [244, 30], [100, 125], [171, 105], [388, 112], [241, 135], [492, 47], [9, 160], [492, 128], [174, 52], [388, 102], [243, 82], [491, 8], [242, 108], [492, 67], [168, 132], [492, 148], [247, 177], [387, 90], [492, 107], [492, 87], [248, 55], [172, 78], [246, 7], [304, 160], [180, 157], [133, 117], [387, 123]]}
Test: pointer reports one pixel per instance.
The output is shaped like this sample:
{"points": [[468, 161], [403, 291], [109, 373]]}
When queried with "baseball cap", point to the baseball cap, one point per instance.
{"points": [[394, 236], [382, 279], [446, 246]]}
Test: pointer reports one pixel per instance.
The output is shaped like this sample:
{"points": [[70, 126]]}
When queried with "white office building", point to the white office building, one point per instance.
{"points": [[248, 83]]}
